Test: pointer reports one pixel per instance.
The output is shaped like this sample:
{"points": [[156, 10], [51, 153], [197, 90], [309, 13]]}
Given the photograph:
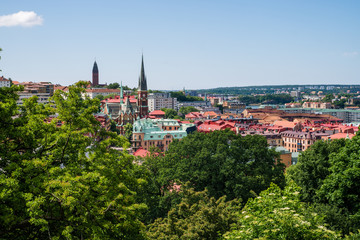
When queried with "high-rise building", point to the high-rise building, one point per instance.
{"points": [[157, 101]]}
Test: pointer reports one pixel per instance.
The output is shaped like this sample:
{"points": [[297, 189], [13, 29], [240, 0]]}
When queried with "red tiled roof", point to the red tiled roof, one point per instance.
{"points": [[209, 126], [141, 153], [285, 124], [157, 112], [210, 113], [102, 90], [116, 99], [185, 121], [193, 115], [341, 135], [4, 79]]}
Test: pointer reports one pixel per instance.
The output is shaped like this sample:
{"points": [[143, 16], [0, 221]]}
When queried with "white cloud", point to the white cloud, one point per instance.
{"points": [[22, 18], [354, 53]]}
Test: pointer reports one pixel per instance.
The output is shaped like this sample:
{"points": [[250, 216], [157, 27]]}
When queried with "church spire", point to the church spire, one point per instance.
{"points": [[121, 94], [128, 108], [95, 75], [142, 78]]}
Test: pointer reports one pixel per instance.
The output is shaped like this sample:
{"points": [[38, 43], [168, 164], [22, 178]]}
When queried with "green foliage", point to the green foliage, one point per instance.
{"points": [[342, 186], [313, 167], [328, 174], [220, 106], [157, 197], [268, 99], [185, 110], [61, 182], [279, 214], [128, 129], [340, 103], [328, 98], [155, 91], [170, 113], [197, 216], [110, 96], [113, 86], [224, 163], [100, 97], [113, 127], [182, 98]]}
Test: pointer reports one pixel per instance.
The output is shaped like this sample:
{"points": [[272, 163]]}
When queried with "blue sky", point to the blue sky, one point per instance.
{"points": [[190, 43]]}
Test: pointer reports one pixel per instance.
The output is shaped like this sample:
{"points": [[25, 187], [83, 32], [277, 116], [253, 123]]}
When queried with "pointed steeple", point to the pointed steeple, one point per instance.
{"points": [[205, 98], [95, 75], [121, 94], [142, 78], [95, 68], [128, 108]]}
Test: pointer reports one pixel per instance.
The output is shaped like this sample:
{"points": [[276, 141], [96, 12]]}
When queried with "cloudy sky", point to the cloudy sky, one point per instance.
{"points": [[188, 43]]}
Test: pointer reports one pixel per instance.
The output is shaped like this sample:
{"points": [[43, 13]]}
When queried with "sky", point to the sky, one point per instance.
{"points": [[196, 44]]}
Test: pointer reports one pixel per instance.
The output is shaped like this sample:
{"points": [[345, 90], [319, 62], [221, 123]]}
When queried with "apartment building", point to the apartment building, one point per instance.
{"points": [[297, 141], [157, 101], [4, 82], [43, 90]]}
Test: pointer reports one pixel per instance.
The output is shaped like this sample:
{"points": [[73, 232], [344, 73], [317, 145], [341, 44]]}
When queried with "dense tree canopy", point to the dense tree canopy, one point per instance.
{"points": [[313, 167], [61, 181], [278, 214], [185, 110], [197, 216], [342, 186], [268, 99], [224, 163], [170, 113], [113, 85], [182, 98], [328, 176]]}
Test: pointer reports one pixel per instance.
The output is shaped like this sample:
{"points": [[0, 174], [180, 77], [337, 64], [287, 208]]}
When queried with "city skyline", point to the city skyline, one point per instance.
{"points": [[196, 45]]}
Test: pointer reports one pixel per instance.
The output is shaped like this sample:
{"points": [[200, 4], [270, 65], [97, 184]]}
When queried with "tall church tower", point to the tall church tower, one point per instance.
{"points": [[142, 101], [95, 75]]}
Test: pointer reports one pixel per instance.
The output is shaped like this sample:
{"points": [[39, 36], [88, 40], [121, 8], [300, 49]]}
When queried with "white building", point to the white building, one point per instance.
{"points": [[4, 82], [157, 101], [93, 92], [42, 97]]}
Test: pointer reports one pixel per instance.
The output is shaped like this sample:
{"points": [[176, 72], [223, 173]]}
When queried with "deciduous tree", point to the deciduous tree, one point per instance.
{"points": [[224, 163], [197, 216], [63, 181], [279, 214]]}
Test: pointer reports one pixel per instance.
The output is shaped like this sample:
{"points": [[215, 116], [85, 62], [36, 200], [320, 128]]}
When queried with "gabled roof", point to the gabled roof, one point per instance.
{"points": [[285, 124], [157, 112], [194, 115], [141, 153], [341, 135]]}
